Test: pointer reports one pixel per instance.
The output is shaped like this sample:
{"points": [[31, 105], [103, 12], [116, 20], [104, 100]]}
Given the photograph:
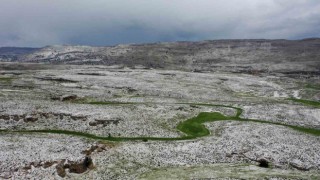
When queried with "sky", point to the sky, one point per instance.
{"points": [[37, 23]]}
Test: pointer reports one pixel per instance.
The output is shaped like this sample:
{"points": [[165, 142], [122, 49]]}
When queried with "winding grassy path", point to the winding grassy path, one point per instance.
{"points": [[192, 128]]}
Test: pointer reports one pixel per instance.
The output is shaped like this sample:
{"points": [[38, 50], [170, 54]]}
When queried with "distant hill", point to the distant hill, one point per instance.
{"points": [[12, 53], [247, 55]]}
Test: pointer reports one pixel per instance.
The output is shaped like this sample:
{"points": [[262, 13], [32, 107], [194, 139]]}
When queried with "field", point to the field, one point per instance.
{"points": [[116, 122]]}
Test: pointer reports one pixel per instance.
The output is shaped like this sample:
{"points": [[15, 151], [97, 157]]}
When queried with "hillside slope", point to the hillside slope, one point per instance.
{"points": [[231, 55], [12, 53]]}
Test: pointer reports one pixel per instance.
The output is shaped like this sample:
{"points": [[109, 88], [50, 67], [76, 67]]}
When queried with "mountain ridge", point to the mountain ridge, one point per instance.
{"points": [[208, 55]]}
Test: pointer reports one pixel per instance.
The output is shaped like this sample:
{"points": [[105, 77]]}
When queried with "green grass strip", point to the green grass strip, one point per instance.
{"points": [[313, 86], [92, 136], [192, 128], [306, 102]]}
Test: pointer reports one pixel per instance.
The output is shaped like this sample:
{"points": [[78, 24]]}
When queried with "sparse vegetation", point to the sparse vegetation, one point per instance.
{"points": [[313, 86], [306, 102], [6, 79]]}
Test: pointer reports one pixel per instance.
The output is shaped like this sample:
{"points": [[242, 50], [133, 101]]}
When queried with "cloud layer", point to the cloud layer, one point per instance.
{"points": [[108, 22]]}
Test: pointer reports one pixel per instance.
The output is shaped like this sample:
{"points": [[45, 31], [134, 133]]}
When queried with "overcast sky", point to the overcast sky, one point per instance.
{"points": [[107, 22]]}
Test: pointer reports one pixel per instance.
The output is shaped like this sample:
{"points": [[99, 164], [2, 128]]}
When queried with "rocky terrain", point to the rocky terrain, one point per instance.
{"points": [[229, 109]]}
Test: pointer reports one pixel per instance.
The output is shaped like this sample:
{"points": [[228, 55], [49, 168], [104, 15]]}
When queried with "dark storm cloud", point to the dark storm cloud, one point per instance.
{"points": [[106, 22]]}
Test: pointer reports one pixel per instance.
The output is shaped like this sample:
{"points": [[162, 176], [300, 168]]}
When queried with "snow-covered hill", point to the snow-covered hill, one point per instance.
{"points": [[253, 56]]}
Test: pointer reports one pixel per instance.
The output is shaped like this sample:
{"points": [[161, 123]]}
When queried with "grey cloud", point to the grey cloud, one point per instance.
{"points": [[107, 22]]}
